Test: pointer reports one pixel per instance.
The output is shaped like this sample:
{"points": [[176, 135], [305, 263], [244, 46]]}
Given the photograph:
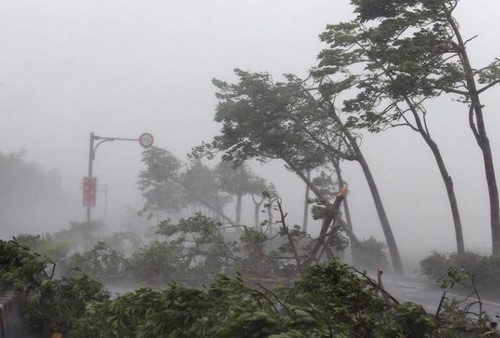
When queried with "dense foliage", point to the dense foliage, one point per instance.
{"points": [[331, 300], [48, 304]]}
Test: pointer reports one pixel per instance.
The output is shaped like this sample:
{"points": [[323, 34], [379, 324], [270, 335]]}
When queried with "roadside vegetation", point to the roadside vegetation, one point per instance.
{"points": [[475, 271], [329, 299], [203, 272]]}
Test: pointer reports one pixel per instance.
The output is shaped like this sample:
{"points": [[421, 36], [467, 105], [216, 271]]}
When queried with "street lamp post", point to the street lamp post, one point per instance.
{"points": [[90, 185]]}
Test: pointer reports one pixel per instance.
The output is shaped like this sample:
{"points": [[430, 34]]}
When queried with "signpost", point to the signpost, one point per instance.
{"points": [[89, 191], [90, 183]]}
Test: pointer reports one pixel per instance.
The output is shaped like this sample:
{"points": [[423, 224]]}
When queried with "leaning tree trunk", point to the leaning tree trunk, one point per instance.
{"points": [[306, 204], [450, 190], [348, 221], [489, 169], [347, 212], [447, 180], [320, 196], [479, 131], [379, 206]]}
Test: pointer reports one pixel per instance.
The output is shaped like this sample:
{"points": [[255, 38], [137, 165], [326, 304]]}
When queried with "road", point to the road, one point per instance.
{"points": [[428, 294]]}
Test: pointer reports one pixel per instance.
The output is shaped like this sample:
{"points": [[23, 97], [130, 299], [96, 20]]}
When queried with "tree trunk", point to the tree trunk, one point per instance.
{"points": [[327, 221], [306, 204], [347, 212], [379, 206], [450, 190], [384, 221], [238, 209], [318, 194], [422, 129], [479, 131], [256, 210], [493, 193], [348, 221]]}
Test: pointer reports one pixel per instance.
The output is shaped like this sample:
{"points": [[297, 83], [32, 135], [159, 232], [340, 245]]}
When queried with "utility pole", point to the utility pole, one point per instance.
{"points": [[90, 183]]}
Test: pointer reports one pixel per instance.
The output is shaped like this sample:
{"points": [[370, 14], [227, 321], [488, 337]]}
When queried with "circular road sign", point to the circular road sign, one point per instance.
{"points": [[146, 140]]}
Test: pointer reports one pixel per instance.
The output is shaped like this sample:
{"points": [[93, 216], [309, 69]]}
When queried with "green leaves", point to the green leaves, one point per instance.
{"points": [[409, 52], [259, 119], [48, 303], [331, 300]]}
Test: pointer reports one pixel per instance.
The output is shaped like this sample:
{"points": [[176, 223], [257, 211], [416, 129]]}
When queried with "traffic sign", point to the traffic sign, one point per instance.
{"points": [[146, 140], [89, 191]]}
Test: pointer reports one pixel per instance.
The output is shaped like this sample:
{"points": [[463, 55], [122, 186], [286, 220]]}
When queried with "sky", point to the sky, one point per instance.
{"points": [[119, 68]]}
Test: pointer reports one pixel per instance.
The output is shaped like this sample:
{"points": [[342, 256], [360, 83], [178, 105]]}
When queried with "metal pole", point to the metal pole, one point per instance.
{"points": [[145, 140], [91, 159], [105, 202]]}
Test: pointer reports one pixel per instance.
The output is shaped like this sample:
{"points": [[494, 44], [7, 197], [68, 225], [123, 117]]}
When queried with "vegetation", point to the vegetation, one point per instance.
{"points": [[291, 121], [329, 300], [170, 187], [210, 275], [420, 51], [48, 304], [484, 271]]}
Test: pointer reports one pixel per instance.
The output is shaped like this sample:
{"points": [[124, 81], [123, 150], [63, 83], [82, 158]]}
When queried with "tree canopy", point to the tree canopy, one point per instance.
{"points": [[396, 55]]}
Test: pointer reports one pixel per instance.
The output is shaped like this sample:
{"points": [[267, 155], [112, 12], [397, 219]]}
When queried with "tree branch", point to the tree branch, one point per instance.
{"points": [[329, 219], [289, 236], [488, 86]]}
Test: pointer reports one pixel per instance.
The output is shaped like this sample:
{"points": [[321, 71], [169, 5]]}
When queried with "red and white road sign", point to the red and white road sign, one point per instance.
{"points": [[146, 140], [89, 191]]}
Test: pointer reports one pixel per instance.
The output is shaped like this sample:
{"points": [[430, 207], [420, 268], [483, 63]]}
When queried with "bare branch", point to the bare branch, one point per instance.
{"points": [[289, 236], [488, 86]]}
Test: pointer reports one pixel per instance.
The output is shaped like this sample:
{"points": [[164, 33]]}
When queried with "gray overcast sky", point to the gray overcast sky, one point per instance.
{"points": [[122, 67]]}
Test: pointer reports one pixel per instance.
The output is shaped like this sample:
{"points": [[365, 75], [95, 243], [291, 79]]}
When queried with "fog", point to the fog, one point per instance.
{"points": [[120, 68]]}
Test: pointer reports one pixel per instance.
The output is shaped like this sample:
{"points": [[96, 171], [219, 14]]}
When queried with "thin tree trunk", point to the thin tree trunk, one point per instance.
{"points": [[450, 190], [421, 128], [289, 236], [384, 221], [327, 221], [479, 130], [318, 194], [238, 209], [256, 215], [347, 212], [379, 206], [256, 210], [306, 204]]}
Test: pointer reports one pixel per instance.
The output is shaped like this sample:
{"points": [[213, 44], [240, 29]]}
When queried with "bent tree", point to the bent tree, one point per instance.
{"points": [[266, 120], [380, 99], [419, 49]]}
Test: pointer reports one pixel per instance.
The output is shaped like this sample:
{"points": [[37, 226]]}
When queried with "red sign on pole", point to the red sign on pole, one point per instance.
{"points": [[89, 191]]}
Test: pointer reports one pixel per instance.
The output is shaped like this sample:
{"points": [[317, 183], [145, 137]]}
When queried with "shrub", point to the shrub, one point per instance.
{"points": [[434, 265], [370, 254], [486, 269]]}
